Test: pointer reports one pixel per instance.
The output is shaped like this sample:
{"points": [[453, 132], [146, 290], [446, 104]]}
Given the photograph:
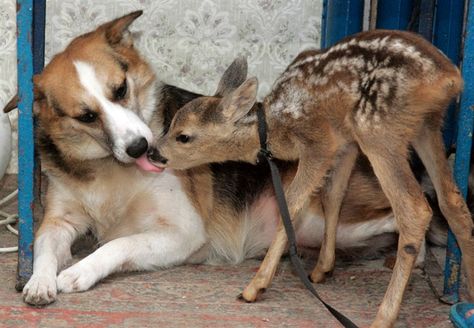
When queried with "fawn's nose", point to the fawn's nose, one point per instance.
{"points": [[137, 148], [155, 156]]}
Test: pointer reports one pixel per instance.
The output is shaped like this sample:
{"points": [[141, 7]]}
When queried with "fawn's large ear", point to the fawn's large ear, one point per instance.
{"points": [[239, 102], [234, 76], [38, 95], [116, 31]]}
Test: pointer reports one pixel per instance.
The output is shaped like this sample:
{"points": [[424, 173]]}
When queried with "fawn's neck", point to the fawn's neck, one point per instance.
{"points": [[277, 135], [251, 145]]}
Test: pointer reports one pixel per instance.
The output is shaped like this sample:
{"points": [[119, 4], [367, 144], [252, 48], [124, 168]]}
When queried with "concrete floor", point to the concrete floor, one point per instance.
{"points": [[205, 296]]}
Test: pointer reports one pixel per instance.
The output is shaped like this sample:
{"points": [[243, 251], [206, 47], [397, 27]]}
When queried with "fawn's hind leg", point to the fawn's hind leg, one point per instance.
{"points": [[429, 147], [332, 198], [412, 213], [308, 178]]}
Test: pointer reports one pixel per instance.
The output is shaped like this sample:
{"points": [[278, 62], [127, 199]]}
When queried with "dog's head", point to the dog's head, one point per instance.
{"points": [[96, 98]]}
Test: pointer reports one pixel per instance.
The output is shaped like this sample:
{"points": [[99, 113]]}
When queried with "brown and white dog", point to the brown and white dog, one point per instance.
{"points": [[97, 105]]}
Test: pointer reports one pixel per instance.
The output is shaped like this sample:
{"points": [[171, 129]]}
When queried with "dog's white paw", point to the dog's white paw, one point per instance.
{"points": [[40, 290], [77, 278]]}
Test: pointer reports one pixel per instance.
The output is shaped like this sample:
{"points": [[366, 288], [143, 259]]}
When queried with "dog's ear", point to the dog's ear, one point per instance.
{"points": [[238, 103], [116, 31], [38, 95], [234, 76]]}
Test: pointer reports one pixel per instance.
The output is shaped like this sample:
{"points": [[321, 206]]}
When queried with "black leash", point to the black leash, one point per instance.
{"points": [[285, 215]]}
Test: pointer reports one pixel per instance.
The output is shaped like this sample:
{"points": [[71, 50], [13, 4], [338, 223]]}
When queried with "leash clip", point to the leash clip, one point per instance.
{"points": [[265, 153]]}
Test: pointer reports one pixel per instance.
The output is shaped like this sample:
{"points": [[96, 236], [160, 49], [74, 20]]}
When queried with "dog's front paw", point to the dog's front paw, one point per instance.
{"points": [[76, 278], [40, 290]]}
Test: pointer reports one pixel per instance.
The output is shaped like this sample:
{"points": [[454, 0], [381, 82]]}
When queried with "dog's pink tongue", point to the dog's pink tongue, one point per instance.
{"points": [[146, 165]]}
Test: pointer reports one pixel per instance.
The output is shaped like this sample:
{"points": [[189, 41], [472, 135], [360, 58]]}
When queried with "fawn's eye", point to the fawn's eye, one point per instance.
{"points": [[183, 138], [121, 91], [88, 117]]}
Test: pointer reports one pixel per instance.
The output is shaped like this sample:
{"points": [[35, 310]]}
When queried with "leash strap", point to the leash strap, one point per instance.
{"points": [[285, 215]]}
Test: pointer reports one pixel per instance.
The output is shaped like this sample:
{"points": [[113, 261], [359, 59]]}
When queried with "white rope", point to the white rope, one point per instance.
{"points": [[8, 221], [8, 197]]}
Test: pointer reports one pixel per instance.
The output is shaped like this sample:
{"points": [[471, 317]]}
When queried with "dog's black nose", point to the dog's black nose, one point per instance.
{"points": [[154, 155], [137, 148]]}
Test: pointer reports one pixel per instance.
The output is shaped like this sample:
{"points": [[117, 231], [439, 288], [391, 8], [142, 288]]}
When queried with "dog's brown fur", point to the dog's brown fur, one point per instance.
{"points": [[379, 91]]}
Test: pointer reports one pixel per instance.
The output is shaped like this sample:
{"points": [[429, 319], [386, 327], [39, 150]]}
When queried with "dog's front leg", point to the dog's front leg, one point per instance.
{"points": [[144, 251], [52, 250]]}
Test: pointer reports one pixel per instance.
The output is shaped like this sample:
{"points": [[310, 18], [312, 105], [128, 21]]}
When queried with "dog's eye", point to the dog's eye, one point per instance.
{"points": [[88, 117], [121, 91], [183, 138]]}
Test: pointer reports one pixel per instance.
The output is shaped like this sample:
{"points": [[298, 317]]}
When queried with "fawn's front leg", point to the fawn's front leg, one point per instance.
{"points": [[308, 178], [332, 198], [52, 250]]}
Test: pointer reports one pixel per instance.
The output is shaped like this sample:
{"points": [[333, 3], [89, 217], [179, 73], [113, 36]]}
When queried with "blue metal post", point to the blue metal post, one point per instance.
{"points": [[25, 140], [39, 21], [341, 18], [463, 155], [324, 18], [394, 14], [425, 23], [447, 37]]}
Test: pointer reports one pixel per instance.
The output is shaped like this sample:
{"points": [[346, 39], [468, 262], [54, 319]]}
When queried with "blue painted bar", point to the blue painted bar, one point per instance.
{"points": [[25, 140], [463, 154], [452, 271], [447, 37], [425, 22], [323, 24], [342, 18], [394, 14], [449, 18], [39, 22]]}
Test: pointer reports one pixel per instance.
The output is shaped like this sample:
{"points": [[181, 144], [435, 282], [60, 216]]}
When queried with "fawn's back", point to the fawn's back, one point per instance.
{"points": [[387, 79]]}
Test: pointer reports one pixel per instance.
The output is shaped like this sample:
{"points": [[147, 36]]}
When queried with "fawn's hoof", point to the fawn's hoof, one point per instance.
{"points": [[317, 277], [381, 324], [251, 294]]}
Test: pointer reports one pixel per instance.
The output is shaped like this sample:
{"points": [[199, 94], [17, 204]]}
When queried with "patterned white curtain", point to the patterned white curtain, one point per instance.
{"points": [[189, 42]]}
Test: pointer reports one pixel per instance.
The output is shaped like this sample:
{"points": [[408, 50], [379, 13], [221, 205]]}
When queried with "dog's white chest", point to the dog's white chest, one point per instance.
{"points": [[123, 201]]}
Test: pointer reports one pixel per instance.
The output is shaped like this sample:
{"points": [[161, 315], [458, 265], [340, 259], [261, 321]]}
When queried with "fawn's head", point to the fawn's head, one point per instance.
{"points": [[212, 129]]}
